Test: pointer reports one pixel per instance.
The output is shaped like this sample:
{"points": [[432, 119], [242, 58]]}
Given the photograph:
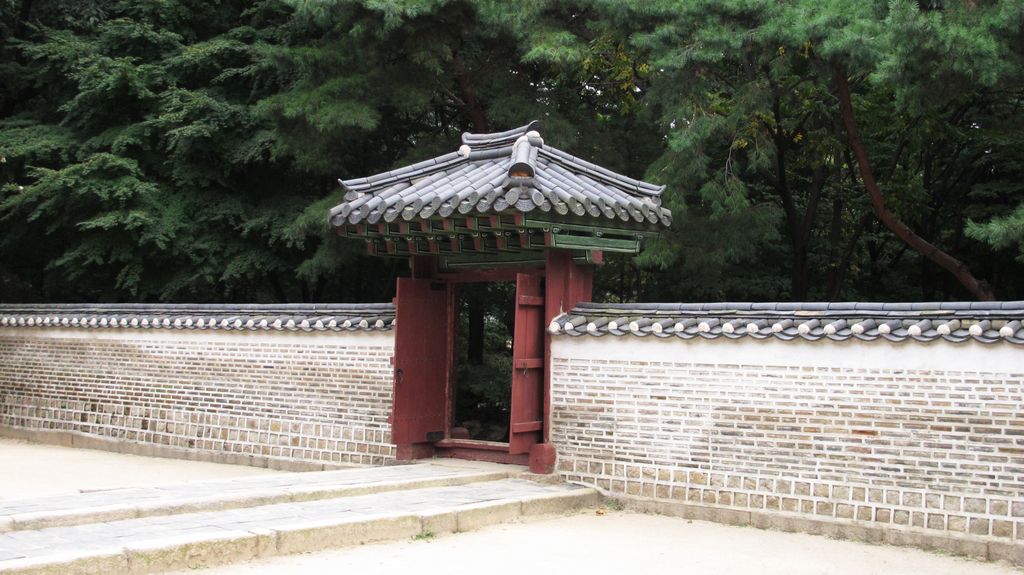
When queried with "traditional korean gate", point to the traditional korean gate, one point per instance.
{"points": [[527, 413], [506, 206], [421, 366]]}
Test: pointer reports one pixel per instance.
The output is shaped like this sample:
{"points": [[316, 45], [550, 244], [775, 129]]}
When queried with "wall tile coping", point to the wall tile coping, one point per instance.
{"points": [[289, 317], [985, 322]]}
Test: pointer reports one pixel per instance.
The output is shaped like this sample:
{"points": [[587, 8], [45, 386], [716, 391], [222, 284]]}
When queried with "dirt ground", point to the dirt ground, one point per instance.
{"points": [[36, 470], [614, 543], [622, 544]]}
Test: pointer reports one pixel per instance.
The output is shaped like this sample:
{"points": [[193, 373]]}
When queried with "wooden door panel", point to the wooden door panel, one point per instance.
{"points": [[420, 361], [527, 417]]}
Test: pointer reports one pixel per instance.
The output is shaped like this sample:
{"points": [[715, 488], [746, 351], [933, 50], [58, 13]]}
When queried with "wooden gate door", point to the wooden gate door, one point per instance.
{"points": [[420, 405], [527, 417]]}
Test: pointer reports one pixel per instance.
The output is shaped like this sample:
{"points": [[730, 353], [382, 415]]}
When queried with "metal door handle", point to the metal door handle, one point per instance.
{"points": [[398, 375]]}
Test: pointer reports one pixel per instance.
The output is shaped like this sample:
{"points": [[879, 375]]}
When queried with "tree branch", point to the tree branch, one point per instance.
{"points": [[947, 262]]}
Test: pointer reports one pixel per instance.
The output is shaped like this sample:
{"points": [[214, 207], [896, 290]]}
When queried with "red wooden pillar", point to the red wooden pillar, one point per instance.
{"points": [[566, 284]]}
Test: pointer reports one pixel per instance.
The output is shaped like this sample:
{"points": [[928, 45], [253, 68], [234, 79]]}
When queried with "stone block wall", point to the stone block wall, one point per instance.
{"points": [[905, 435], [322, 396]]}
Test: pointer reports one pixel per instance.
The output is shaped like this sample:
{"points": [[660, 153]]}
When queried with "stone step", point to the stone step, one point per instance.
{"points": [[137, 502], [193, 540]]}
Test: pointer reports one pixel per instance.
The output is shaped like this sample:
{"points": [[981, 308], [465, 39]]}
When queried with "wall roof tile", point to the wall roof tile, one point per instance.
{"points": [[985, 322], [287, 317]]}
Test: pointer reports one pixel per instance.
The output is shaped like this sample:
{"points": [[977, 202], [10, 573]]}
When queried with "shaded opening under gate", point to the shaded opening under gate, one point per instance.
{"points": [[482, 382]]}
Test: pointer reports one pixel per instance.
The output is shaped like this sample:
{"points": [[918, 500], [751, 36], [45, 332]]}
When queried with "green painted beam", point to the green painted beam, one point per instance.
{"points": [[599, 231], [564, 241], [540, 220], [506, 223], [541, 235], [492, 260]]}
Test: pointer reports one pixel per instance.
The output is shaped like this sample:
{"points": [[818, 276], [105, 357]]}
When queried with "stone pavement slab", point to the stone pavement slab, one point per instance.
{"points": [[134, 502], [206, 538]]}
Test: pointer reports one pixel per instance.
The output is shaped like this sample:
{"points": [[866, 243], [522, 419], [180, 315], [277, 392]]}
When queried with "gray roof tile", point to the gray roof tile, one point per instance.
{"points": [[291, 317], [472, 183], [985, 322]]}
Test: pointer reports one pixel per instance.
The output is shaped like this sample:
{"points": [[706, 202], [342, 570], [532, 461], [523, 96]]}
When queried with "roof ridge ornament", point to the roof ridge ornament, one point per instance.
{"points": [[524, 156]]}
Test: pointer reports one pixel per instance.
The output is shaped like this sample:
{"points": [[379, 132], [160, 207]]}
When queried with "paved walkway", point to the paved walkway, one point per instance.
{"points": [[116, 536], [133, 502], [77, 523]]}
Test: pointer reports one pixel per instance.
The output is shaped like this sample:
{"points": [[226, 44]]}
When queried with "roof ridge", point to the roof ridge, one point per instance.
{"points": [[492, 146], [418, 169], [497, 139], [599, 173]]}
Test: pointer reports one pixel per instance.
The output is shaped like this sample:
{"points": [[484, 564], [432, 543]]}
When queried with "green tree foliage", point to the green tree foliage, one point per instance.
{"points": [[187, 150], [134, 159], [758, 151], [1002, 232]]}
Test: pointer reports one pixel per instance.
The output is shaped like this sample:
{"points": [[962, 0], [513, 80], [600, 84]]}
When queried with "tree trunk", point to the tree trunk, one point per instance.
{"points": [[843, 265], [954, 266], [473, 108], [279, 293], [799, 225], [24, 13], [835, 235]]}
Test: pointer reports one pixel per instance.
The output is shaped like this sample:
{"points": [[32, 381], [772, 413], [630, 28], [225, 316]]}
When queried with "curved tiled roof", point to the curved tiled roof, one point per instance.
{"points": [[293, 317], [499, 173], [986, 322]]}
